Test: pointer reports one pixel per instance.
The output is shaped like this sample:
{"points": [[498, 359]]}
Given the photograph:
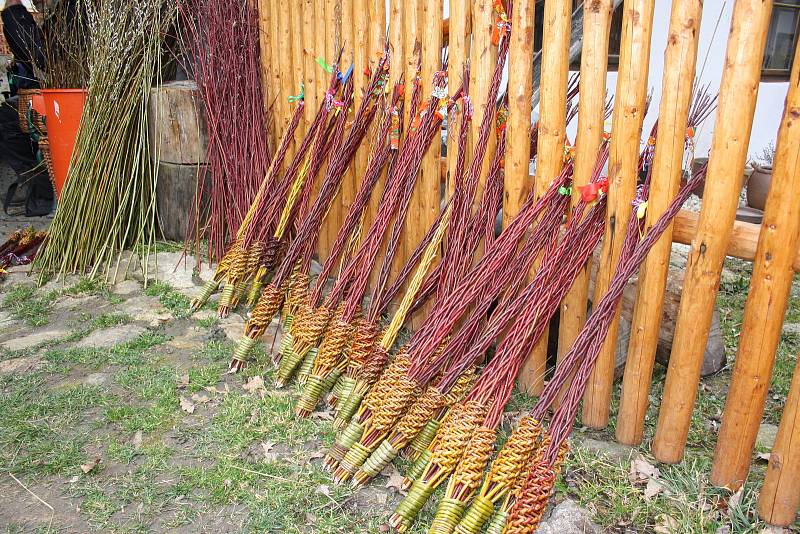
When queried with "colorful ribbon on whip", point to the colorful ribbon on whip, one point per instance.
{"points": [[300, 96], [591, 192]]}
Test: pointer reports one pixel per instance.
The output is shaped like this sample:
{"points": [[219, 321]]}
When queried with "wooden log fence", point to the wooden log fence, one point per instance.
{"points": [[679, 71], [591, 117], [737, 101], [418, 37], [623, 165], [552, 135]]}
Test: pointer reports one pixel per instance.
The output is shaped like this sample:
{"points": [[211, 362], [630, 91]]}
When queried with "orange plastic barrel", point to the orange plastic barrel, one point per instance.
{"points": [[63, 110]]}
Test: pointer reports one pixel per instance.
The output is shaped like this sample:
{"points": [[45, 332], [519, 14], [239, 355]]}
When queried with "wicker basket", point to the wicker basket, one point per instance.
{"points": [[25, 98], [44, 148]]}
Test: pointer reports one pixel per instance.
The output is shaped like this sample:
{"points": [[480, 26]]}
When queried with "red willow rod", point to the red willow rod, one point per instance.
{"points": [[380, 294], [312, 319], [341, 330], [429, 119], [382, 156], [299, 251], [532, 499], [224, 46]]}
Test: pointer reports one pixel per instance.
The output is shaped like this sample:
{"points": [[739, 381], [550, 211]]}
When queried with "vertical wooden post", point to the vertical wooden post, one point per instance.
{"points": [[680, 59], [427, 196], [591, 116], [298, 61], [520, 90], [738, 92], [623, 165], [770, 288], [377, 42], [483, 56], [412, 46], [361, 53], [347, 192], [780, 496], [377, 26], [311, 70], [267, 81], [457, 54], [397, 43], [412, 37], [282, 49], [552, 133], [333, 41]]}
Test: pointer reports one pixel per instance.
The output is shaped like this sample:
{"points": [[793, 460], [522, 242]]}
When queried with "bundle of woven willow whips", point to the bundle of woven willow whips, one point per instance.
{"points": [[529, 314], [403, 380], [314, 320], [299, 297], [521, 478], [298, 255], [265, 222], [233, 253], [530, 500], [453, 263], [264, 243], [353, 283]]}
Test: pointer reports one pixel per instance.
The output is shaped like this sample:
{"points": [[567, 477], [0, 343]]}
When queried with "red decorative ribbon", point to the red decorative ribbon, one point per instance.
{"points": [[590, 192]]}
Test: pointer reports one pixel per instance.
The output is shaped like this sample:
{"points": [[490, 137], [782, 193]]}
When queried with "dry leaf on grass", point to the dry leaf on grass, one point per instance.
{"points": [[217, 391], [200, 398], [186, 405], [323, 489], [90, 465], [642, 470], [325, 415], [255, 384], [734, 501], [137, 440], [316, 454], [183, 381], [394, 479], [666, 525], [269, 456], [652, 489]]}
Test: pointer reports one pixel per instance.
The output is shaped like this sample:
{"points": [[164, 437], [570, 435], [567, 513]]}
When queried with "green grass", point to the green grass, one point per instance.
{"points": [[175, 301], [25, 303], [188, 470], [687, 499], [38, 425]]}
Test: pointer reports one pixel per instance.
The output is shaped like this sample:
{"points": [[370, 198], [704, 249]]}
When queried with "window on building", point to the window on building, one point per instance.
{"points": [[614, 38], [781, 39]]}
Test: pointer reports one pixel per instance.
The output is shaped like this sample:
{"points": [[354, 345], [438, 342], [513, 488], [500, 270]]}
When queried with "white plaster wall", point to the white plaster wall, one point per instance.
{"points": [[710, 62]]}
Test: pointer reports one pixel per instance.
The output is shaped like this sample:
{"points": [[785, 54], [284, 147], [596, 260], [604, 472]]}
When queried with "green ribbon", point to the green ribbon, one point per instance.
{"points": [[301, 96], [321, 62], [566, 191]]}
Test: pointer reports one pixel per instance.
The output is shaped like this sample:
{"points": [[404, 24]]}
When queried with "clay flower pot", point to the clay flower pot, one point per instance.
{"points": [[758, 186], [698, 163]]}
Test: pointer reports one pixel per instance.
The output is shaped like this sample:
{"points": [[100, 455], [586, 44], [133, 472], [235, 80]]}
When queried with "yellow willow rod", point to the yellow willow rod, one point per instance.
{"points": [[390, 335], [297, 186], [253, 205]]}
